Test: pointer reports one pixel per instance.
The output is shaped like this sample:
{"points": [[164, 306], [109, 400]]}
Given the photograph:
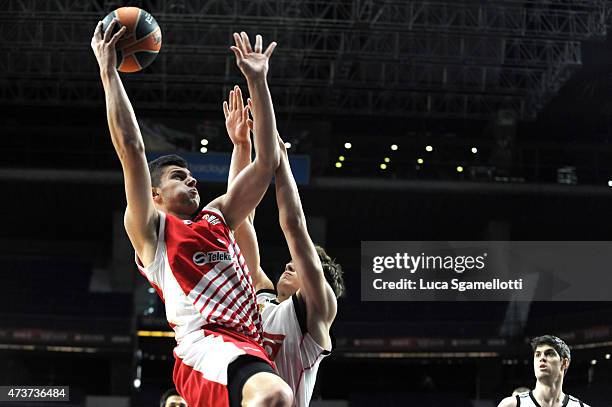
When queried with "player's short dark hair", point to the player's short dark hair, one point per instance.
{"points": [[156, 167], [556, 343], [167, 394], [332, 271]]}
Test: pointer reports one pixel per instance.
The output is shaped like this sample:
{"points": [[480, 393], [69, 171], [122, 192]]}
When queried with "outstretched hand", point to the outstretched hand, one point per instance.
{"points": [[237, 120], [103, 45], [252, 62]]}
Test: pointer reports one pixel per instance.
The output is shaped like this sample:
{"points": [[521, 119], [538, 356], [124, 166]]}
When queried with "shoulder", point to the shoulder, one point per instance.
{"points": [[508, 402], [576, 402]]}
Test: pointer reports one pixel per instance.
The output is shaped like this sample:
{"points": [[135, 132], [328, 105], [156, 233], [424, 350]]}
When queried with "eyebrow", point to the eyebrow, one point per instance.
{"points": [[180, 171]]}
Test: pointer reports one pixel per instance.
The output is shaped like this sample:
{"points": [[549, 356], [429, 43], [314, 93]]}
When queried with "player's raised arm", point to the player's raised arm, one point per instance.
{"points": [[237, 124], [140, 217], [319, 297], [246, 191]]}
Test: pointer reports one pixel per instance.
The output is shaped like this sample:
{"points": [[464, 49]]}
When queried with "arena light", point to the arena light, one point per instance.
{"points": [[341, 158], [429, 149], [607, 356], [420, 161], [348, 146], [387, 159], [151, 290], [137, 383], [610, 183], [474, 150], [203, 150], [394, 147], [593, 362], [338, 164], [459, 169], [156, 334], [383, 166], [204, 142], [287, 145]]}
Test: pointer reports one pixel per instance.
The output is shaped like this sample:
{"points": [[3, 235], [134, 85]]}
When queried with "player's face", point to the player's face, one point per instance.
{"points": [[547, 363], [175, 401], [288, 282], [177, 193]]}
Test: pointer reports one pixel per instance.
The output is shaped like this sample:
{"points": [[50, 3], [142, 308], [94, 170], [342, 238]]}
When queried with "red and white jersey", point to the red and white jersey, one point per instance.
{"points": [[201, 276], [286, 339]]}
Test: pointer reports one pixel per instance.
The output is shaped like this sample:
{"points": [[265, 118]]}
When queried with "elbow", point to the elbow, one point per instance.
{"points": [[291, 222]]}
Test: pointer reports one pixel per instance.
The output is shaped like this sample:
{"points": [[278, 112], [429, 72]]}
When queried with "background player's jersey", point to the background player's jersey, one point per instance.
{"points": [[201, 276], [296, 354], [528, 400]]}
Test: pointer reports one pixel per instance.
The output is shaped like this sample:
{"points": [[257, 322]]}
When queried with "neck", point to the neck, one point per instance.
{"points": [[549, 392], [280, 297]]}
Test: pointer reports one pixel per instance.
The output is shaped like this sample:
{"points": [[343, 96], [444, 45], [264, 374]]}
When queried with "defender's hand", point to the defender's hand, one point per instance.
{"points": [[252, 63], [237, 120], [103, 46]]}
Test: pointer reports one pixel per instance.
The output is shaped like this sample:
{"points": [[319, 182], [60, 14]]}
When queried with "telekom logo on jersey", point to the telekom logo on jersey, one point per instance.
{"points": [[201, 258]]}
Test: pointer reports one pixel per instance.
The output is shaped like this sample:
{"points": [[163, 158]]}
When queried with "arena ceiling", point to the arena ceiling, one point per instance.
{"points": [[446, 59]]}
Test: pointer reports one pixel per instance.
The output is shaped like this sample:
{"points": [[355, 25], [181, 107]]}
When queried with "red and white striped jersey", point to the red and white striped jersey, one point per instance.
{"points": [[202, 277], [286, 339]]}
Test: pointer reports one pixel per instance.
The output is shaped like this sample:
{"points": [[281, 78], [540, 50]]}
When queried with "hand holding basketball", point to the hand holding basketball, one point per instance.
{"points": [[103, 46], [252, 62]]}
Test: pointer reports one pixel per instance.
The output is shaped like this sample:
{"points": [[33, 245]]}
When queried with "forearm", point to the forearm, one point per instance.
{"points": [[266, 148], [290, 211], [241, 157], [122, 121]]}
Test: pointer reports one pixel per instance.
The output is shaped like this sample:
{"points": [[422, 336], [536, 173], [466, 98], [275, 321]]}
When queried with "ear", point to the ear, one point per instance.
{"points": [[565, 365], [155, 193]]}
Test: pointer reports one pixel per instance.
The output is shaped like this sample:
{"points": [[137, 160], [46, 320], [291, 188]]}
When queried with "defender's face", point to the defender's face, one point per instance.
{"points": [[288, 283], [175, 401], [547, 362], [177, 191]]}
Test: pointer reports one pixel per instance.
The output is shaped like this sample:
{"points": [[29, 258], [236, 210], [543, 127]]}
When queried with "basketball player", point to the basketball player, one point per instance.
{"points": [[551, 359], [297, 320], [171, 398], [193, 261]]}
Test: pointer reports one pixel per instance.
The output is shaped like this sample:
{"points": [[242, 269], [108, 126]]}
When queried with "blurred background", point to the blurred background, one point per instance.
{"points": [[411, 120]]}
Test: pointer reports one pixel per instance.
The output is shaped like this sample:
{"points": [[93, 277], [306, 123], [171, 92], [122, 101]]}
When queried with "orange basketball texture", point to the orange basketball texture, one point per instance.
{"points": [[141, 42]]}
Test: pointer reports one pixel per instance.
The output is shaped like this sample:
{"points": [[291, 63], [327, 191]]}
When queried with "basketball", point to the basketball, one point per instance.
{"points": [[140, 44]]}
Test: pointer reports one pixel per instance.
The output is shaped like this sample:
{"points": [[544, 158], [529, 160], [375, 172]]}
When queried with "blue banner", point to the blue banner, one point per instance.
{"points": [[214, 167]]}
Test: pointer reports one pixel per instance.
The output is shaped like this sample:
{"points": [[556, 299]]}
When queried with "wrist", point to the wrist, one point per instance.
{"points": [[246, 144], [257, 80]]}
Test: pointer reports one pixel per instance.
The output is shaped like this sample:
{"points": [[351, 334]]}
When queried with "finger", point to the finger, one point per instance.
{"points": [[98, 30], [258, 43], [225, 109], [232, 105], [250, 124], [239, 101], [250, 103], [118, 35], [245, 113], [238, 53], [109, 30], [270, 49], [246, 42]]}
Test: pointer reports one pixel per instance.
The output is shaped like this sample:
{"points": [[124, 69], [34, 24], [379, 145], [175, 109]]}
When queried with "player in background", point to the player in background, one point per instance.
{"points": [[171, 398], [193, 261], [298, 318], [551, 359]]}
